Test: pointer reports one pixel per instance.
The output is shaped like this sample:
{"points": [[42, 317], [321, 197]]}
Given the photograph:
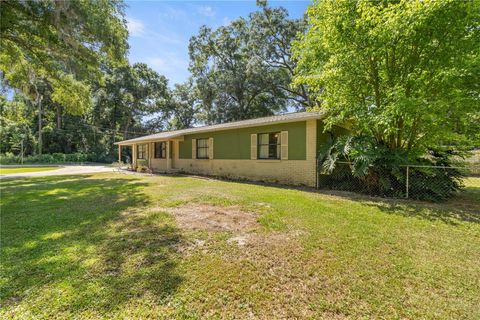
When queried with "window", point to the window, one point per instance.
{"points": [[202, 148], [141, 151], [160, 150], [269, 145]]}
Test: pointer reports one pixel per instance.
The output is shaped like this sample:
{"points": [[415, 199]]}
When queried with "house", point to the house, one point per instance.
{"points": [[281, 148]]}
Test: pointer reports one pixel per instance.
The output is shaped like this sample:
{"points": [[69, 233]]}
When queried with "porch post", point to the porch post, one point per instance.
{"points": [[134, 156], [148, 154], [119, 153], [169, 160]]}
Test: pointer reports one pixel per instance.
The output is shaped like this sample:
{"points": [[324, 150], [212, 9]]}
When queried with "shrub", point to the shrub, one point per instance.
{"points": [[142, 169], [142, 166], [9, 158], [59, 157], [348, 165]]}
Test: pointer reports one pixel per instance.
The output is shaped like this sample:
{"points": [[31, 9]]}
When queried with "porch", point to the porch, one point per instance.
{"points": [[159, 155]]}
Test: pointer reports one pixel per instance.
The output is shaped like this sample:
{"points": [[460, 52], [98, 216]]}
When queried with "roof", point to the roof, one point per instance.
{"points": [[283, 118]]}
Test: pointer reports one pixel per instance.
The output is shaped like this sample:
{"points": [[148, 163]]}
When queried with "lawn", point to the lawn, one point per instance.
{"points": [[4, 170], [122, 246]]}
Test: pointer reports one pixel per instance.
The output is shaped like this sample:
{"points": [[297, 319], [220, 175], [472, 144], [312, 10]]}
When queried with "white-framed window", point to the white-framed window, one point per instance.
{"points": [[202, 148], [161, 150], [141, 151], [269, 145]]}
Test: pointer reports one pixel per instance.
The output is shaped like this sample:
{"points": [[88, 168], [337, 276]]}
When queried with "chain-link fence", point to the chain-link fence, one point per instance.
{"points": [[421, 182]]}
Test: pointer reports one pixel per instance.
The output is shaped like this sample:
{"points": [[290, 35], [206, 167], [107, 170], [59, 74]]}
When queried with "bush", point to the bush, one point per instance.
{"points": [[59, 157], [142, 166], [381, 172], [142, 169], [9, 158], [425, 183]]}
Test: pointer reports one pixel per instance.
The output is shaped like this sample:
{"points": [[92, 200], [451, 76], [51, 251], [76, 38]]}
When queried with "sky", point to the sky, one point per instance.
{"points": [[160, 30]]}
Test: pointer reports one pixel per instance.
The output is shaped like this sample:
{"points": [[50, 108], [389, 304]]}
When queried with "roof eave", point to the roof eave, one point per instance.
{"points": [[207, 129]]}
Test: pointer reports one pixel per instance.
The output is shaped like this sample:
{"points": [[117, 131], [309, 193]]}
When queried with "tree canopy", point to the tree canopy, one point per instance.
{"points": [[405, 73], [62, 43], [244, 69], [183, 107]]}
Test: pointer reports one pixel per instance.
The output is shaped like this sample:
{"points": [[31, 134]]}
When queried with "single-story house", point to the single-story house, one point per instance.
{"points": [[281, 148]]}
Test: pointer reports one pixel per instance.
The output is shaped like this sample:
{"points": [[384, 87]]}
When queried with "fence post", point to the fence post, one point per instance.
{"points": [[406, 194]]}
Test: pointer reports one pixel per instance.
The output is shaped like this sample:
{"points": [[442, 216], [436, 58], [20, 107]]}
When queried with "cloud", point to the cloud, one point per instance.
{"points": [[157, 63], [173, 13], [168, 63], [135, 27], [206, 11], [166, 37], [226, 21], [171, 65]]}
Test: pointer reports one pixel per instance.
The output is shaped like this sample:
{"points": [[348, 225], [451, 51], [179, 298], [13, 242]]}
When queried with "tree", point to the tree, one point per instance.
{"points": [[272, 34], [129, 94], [183, 106], [244, 70], [61, 43], [16, 117], [403, 73], [243, 87]]}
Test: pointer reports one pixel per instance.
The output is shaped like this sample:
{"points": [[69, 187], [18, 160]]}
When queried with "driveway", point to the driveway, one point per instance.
{"points": [[66, 170]]}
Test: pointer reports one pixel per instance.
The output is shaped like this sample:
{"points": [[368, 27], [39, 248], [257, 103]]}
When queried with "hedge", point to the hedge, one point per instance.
{"points": [[9, 158]]}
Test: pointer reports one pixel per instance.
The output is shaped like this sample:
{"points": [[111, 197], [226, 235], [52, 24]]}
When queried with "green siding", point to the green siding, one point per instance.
{"points": [[235, 143], [325, 138], [185, 148]]}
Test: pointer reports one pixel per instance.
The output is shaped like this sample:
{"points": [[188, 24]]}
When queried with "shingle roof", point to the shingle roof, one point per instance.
{"points": [[288, 117]]}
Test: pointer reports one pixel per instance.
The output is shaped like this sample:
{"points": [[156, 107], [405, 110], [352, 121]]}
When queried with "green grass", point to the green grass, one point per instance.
{"points": [[105, 246], [4, 170]]}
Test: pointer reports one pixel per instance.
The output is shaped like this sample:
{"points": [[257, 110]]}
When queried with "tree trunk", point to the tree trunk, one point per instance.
{"points": [[39, 105], [59, 117], [125, 132]]}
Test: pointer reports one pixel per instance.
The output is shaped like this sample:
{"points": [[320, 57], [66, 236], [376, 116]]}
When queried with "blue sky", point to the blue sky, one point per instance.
{"points": [[160, 30]]}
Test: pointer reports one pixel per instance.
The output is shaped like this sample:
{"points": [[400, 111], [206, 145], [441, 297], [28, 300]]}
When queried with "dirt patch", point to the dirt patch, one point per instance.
{"points": [[214, 218], [264, 239]]}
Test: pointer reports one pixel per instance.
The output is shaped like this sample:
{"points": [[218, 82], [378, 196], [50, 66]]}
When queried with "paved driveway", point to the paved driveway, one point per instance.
{"points": [[67, 169]]}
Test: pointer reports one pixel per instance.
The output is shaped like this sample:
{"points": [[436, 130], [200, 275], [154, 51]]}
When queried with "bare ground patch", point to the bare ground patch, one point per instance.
{"points": [[214, 218]]}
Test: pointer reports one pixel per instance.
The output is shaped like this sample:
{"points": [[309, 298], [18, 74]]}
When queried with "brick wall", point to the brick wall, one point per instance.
{"points": [[294, 172]]}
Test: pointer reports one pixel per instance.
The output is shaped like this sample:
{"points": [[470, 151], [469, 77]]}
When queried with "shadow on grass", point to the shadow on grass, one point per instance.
{"points": [[465, 206], [89, 239]]}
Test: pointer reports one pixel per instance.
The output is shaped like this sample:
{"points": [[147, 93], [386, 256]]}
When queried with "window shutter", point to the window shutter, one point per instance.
{"points": [[194, 148], [253, 146], [210, 148], [284, 145]]}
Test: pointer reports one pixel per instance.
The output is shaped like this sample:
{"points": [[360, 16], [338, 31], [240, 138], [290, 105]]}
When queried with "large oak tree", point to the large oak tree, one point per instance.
{"points": [[61, 43], [244, 69]]}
